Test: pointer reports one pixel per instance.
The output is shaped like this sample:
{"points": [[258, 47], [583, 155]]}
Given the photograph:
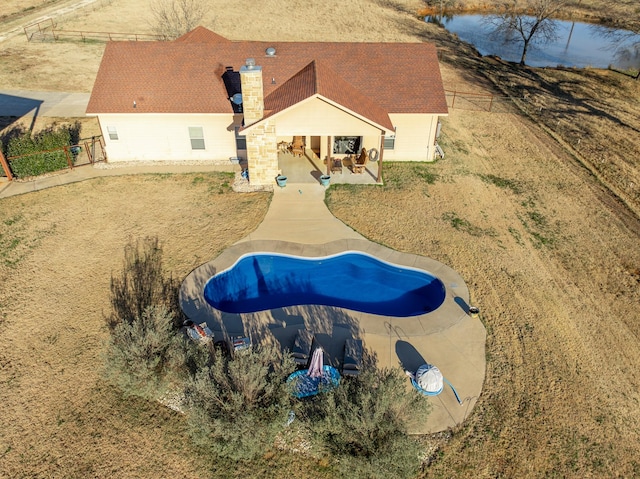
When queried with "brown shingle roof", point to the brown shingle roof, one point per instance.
{"points": [[185, 76], [318, 78], [201, 35]]}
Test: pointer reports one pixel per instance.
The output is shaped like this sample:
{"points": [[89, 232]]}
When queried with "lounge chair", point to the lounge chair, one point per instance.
{"points": [[240, 343], [352, 357], [302, 347], [360, 162]]}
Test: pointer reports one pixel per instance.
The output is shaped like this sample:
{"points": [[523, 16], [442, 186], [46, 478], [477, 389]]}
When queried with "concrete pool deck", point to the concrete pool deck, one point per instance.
{"points": [[299, 223]]}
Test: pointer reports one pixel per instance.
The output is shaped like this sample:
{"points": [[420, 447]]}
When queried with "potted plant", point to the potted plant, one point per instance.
{"points": [[324, 180], [281, 180]]}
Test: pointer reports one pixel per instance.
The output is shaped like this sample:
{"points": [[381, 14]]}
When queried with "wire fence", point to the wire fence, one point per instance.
{"points": [[47, 31], [88, 151], [479, 101]]}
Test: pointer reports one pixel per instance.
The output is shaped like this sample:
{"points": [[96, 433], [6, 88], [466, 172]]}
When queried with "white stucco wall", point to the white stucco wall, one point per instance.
{"points": [[165, 137], [415, 137], [319, 118]]}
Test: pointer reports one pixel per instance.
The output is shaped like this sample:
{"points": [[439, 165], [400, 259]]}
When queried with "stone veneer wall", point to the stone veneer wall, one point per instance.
{"points": [[252, 93], [262, 154]]}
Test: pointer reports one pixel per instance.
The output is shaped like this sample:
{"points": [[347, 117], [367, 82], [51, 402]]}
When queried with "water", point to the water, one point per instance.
{"points": [[355, 281], [577, 45]]}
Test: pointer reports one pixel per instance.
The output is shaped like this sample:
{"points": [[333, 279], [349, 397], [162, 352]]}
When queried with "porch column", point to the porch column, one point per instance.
{"points": [[329, 140], [380, 156], [262, 153]]}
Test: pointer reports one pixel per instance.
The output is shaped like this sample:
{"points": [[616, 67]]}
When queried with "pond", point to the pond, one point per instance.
{"points": [[577, 44]]}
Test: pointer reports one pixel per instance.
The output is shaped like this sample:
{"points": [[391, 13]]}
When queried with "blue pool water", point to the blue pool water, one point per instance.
{"points": [[356, 281]]}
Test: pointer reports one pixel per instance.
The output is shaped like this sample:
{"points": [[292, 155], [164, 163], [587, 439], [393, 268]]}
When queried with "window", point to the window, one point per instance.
{"points": [[390, 141], [113, 132], [346, 145], [241, 141], [197, 137]]}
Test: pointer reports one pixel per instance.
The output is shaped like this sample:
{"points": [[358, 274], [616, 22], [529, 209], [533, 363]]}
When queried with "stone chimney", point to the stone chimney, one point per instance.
{"points": [[252, 93]]}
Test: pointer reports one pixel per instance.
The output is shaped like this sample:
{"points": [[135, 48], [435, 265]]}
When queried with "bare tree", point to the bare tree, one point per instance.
{"points": [[173, 18], [528, 21], [624, 41]]}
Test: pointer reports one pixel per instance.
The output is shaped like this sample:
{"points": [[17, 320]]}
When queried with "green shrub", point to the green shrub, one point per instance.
{"points": [[144, 357], [363, 423], [41, 153], [238, 405]]}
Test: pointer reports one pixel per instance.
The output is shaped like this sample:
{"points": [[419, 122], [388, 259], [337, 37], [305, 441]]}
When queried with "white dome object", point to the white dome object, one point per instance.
{"points": [[429, 378]]}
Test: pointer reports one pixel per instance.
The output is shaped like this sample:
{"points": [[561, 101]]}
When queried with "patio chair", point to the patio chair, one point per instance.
{"points": [[302, 347], [298, 146], [360, 162], [284, 146], [352, 357], [336, 165]]}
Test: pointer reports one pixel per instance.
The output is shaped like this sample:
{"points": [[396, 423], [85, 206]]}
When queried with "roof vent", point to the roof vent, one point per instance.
{"points": [[271, 52], [250, 63]]}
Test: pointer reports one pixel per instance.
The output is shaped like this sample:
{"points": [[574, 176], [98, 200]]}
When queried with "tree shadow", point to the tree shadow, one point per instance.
{"points": [[409, 357], [331, 327], [141, 284]]}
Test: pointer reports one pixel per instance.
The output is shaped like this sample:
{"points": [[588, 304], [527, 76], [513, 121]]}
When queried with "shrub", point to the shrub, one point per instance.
{"points": [[41, 153], [144, 356], [363, 423], [238, 405], [145, 352]]}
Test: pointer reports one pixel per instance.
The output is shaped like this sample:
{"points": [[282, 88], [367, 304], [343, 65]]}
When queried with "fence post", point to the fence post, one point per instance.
{"points": [[66, 152], [5, 167], [86, 148], [454, 99]]}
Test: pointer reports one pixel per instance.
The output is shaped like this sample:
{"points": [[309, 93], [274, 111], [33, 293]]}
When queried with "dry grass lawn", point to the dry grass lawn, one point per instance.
{"points": [[549, 253]]}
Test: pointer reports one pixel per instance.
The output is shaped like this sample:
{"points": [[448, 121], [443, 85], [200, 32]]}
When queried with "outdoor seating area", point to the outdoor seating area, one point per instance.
{"points": [[359, 163]]}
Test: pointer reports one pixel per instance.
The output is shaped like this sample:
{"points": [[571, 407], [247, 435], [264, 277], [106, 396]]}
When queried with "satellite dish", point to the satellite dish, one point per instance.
{"points": [[237, 98]]}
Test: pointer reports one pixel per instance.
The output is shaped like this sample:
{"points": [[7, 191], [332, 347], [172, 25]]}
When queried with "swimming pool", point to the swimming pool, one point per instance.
{"points": [[351, 280]]}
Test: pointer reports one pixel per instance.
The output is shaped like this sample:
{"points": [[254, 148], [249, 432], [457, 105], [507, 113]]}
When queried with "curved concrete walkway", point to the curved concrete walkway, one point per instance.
{"points": [[299, 223], [298, 214]]}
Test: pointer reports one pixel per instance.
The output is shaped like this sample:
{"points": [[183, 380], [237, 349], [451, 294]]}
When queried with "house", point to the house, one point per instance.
{"points": [[204, 97]]}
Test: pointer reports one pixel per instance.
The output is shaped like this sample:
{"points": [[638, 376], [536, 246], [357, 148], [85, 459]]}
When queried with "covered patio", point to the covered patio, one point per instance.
{"points": [[308, 168]]}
